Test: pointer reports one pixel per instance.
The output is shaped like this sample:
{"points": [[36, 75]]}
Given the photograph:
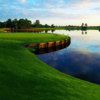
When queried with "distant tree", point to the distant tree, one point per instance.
{"points": [[82, 25], [9, 23], [0, 24], [46, 26], [15, 23], [21, 24], [41, 26], [86, 25], [3, 24], [28, 23], [24, 24], [36, 24], [52, 26]]}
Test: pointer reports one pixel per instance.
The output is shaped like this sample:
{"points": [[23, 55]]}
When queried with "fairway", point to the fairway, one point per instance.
{"points": [[24, 77]]}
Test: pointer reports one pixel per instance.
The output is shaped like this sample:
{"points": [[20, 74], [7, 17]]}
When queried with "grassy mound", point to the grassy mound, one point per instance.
{"points": [[24, 77]]}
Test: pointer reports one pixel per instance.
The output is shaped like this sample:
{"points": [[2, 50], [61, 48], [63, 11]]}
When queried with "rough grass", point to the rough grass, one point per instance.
{"points": [[24, 77]]}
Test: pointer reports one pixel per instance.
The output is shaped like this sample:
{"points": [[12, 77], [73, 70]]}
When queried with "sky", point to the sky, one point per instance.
{"points": [[58, 12]]}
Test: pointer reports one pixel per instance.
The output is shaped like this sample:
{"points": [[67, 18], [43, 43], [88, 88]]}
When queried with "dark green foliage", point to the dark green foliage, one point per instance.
{"points": [[84, 26], [71, 27], [52, 26], [24, 24], [9, 23], [16, 24], [27, 24], [46, 26], [36, 24], [3, 24]]}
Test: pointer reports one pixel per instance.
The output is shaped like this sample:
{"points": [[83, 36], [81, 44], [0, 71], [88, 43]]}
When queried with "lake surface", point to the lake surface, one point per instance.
{"points": [[81, 59]]}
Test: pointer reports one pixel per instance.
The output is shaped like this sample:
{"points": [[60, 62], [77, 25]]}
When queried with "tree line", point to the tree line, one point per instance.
{"points": [[27, 24], [23, 24]]}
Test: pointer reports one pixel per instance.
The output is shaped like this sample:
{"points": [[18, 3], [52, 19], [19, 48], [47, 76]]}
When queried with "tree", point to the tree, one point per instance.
{"points": [[15, 23], [24, 24], [36, 24], [82, 25], [28, 23], [3, 24], [86, 25], [0, 24], [52, 26], [46, 26], [9, 23]]}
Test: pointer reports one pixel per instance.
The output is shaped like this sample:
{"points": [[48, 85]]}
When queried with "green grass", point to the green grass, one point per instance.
{"points": [[24, 77], [2, 31]]}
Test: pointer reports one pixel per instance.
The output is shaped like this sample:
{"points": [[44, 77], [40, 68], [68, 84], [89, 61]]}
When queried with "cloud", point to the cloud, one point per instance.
{"points": [[76, 11], [81, 3], [60, 3], [23, 1], [47, 5]]}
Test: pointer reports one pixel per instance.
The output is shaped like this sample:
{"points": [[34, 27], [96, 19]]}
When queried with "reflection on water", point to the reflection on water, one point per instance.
{"points": [[81, 59], [52, 31], [84, 32]]}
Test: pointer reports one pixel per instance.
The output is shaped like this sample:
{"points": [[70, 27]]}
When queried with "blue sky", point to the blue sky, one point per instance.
{"points": [[58, 12]]}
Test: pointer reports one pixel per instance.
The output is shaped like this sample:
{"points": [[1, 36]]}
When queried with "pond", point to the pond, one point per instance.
{"points": [[81, 59]]}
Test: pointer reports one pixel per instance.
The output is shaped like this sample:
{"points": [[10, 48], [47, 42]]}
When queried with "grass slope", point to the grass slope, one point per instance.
{"points": [[24, 77]]}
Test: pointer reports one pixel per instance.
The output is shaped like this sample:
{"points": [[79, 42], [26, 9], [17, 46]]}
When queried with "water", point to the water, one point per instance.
{"points": [[81, 59]]}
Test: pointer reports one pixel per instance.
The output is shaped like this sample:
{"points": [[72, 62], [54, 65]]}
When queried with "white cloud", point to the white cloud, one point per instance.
{"points": [[23, 1], [60, 11], [60, 3], [47, 5]]}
